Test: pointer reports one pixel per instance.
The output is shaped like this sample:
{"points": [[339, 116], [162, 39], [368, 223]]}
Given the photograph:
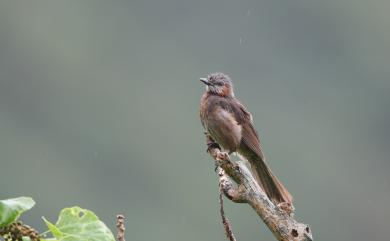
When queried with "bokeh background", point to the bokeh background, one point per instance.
{"points": [[99, 108]]}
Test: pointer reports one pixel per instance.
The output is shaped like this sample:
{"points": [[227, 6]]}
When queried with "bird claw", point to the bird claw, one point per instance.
{"points": [[222, 156], [212, 145]]}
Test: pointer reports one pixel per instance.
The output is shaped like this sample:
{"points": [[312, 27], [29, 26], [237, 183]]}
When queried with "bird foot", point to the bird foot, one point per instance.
{"points": [[219, 157], [222, 156], [212, 145]]}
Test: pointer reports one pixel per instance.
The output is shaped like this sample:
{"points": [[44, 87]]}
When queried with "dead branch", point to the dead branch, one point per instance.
{"points": [[226, 224], [120, 224], [278, 218]]}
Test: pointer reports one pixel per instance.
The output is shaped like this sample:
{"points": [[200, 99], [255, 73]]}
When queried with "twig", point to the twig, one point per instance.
{"points": [[226, 224], [279, 221], [120, 224]]}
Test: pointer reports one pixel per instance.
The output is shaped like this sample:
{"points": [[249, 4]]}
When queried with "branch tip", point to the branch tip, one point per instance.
{"points": [[120, 224]]}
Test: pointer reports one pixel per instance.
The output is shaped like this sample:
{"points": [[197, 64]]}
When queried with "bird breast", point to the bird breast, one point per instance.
{"points": [[224, 129]]}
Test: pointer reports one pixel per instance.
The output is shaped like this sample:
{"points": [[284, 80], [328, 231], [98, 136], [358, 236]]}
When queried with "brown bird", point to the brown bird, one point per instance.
{"points": [[230, 125]]}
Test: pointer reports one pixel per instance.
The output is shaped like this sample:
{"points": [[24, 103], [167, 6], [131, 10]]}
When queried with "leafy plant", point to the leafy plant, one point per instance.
{"points": [[73, 224], [11, 209]]}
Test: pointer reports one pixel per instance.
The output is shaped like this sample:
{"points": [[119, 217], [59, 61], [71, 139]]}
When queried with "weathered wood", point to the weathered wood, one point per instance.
{"points": [[278, 218]]}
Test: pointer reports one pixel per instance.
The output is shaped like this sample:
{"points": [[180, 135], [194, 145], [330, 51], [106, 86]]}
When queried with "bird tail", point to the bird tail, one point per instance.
{"points": [[271, 185]]}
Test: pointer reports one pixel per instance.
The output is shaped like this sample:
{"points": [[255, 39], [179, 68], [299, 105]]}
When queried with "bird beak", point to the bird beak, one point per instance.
{"points": [[205, 81]]}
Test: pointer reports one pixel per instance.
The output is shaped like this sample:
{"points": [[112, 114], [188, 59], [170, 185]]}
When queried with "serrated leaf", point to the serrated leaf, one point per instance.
{"points": [[11, 209], [76, 224]]}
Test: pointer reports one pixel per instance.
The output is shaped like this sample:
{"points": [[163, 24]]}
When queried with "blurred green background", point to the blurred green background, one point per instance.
{"points": [[99, 108]]}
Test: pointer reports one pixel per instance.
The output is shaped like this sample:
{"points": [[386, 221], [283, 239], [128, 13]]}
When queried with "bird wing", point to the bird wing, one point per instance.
{"points": [[244, 118]]}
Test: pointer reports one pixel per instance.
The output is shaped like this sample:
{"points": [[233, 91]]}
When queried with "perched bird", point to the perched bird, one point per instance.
{"points": [[230, 125]]}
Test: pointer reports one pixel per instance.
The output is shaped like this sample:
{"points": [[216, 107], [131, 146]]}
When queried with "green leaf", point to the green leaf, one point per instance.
{"points": [[11, 209], [25, 238], [53, 229], [76, 224]]}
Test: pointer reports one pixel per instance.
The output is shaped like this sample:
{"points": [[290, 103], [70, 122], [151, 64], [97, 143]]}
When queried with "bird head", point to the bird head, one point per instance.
{"points": [[219, 84]]}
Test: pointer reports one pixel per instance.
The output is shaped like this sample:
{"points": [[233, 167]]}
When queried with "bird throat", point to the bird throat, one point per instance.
{"points": [[224, 91]]}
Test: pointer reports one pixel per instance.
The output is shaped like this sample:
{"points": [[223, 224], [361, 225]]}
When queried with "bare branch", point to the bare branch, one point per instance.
{"points": [[231, 191], [226, 224], [278, 218], [120, 224]]}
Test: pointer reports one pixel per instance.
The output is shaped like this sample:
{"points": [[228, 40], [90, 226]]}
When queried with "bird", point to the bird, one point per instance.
{"points": [[230, 125]]}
